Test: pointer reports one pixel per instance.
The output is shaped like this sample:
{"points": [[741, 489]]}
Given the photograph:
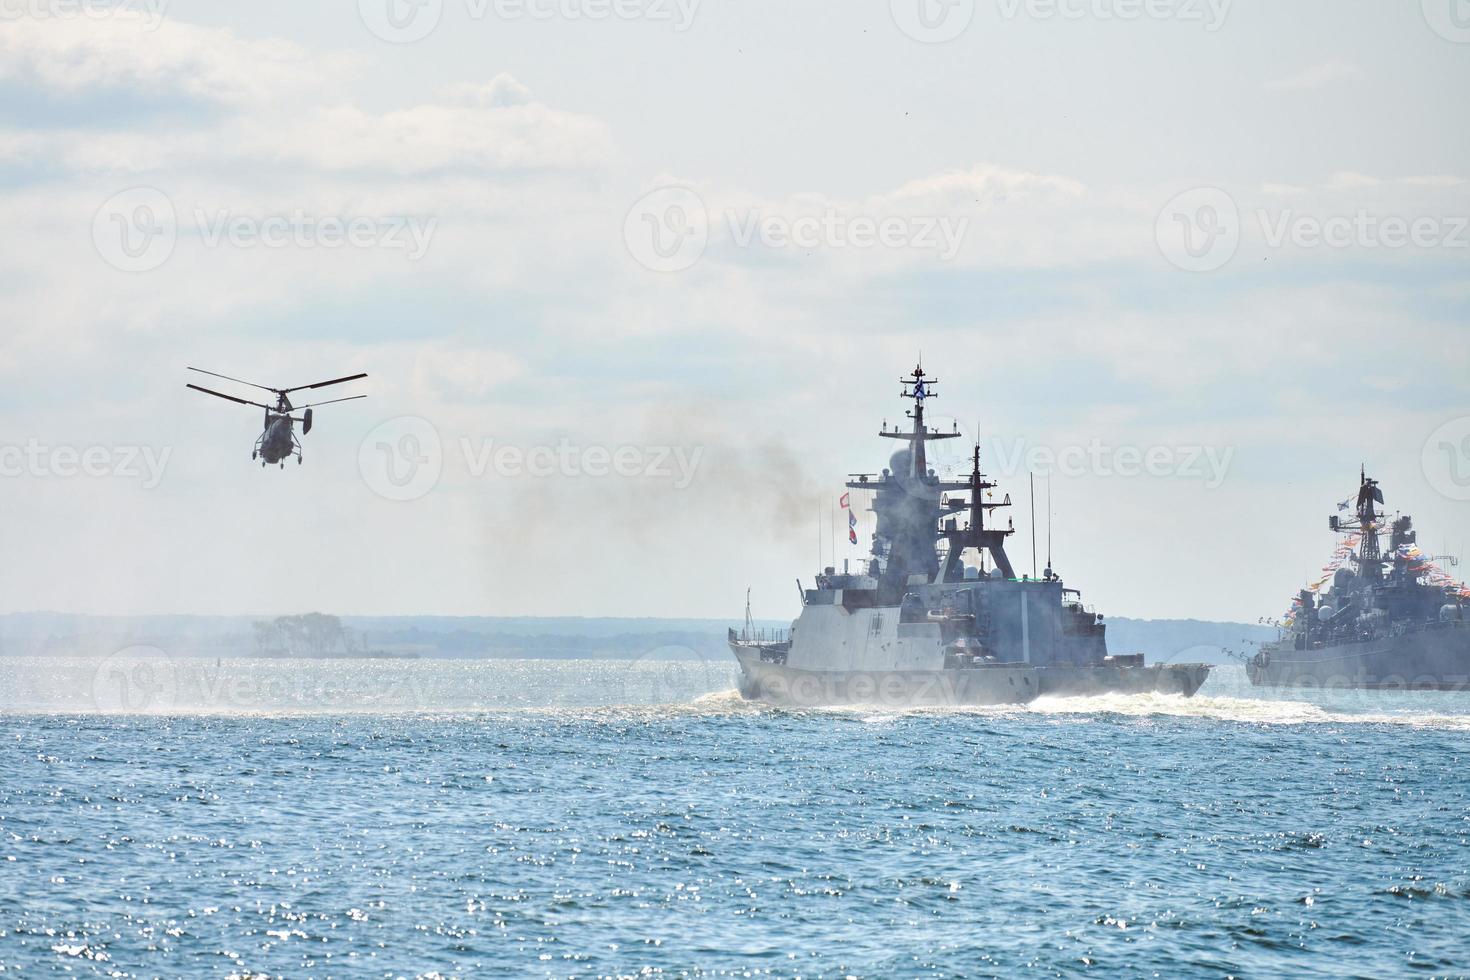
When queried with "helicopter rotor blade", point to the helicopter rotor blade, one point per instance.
{"points": [[237, 381], [332, 402], [322, 384], [230, 398]]}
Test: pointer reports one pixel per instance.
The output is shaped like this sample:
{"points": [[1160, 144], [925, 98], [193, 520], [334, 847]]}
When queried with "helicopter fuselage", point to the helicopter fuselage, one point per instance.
{"points": [[278, 441]]}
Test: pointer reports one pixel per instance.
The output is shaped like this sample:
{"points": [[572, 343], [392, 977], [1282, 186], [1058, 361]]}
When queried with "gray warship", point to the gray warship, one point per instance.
{"points": [[917, 624], [1391, 619]]}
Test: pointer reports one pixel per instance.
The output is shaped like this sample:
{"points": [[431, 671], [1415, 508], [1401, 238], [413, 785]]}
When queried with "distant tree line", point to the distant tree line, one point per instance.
{"points": [[310, 635]]}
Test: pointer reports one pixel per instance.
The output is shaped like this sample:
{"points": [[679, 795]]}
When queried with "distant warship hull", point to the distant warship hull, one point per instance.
{"points": [[1436, 659], [991, 684]]}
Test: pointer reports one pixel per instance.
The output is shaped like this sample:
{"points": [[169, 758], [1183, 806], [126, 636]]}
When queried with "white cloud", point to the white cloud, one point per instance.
{"points": [[1317, 76], [437, 137], [120, 56], [447, 374], [500, 92]]}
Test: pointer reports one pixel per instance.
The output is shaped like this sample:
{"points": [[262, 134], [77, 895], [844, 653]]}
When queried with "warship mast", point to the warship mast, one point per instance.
{"points": [[907, 504], [918, 387], [976, 535], [1368, 492]]}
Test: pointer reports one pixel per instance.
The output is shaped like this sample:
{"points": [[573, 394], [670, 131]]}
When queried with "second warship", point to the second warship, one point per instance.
{"points": [[917, 624], [1390, 619]]}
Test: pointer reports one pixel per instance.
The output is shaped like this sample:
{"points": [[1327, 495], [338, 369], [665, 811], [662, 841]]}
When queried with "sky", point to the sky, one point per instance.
{"points": [[634, 282]]}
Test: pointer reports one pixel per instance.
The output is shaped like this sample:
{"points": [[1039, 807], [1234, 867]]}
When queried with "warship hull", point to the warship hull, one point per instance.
{"points": [[1182, 679], [991, 684], [1436, 659]]}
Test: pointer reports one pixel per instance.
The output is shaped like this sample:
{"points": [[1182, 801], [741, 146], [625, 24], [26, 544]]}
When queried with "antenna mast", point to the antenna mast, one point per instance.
{"points": [[1033, 525], [1048, 523]]}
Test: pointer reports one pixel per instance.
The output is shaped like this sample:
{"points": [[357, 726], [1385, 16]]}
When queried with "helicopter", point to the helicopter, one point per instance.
{"points": [[278, 441]]}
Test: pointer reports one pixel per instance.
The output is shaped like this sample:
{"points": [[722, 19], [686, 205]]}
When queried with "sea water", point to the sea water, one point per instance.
{"points": [[188, 817]]}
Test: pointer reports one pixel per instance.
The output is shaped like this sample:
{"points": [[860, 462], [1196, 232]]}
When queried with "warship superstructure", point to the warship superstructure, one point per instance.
{"points": [[936, 614], [1390, 619]]}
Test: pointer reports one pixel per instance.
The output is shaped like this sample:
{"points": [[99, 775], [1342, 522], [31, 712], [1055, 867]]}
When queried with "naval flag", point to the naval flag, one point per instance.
{"points": [[843, 501]]}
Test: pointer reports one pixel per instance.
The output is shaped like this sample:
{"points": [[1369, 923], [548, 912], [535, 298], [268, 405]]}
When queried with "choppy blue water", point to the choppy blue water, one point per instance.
{"points": [[547, 818]]}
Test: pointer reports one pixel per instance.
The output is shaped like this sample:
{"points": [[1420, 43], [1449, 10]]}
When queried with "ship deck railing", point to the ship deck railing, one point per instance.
{"points": [[762, 635]]}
